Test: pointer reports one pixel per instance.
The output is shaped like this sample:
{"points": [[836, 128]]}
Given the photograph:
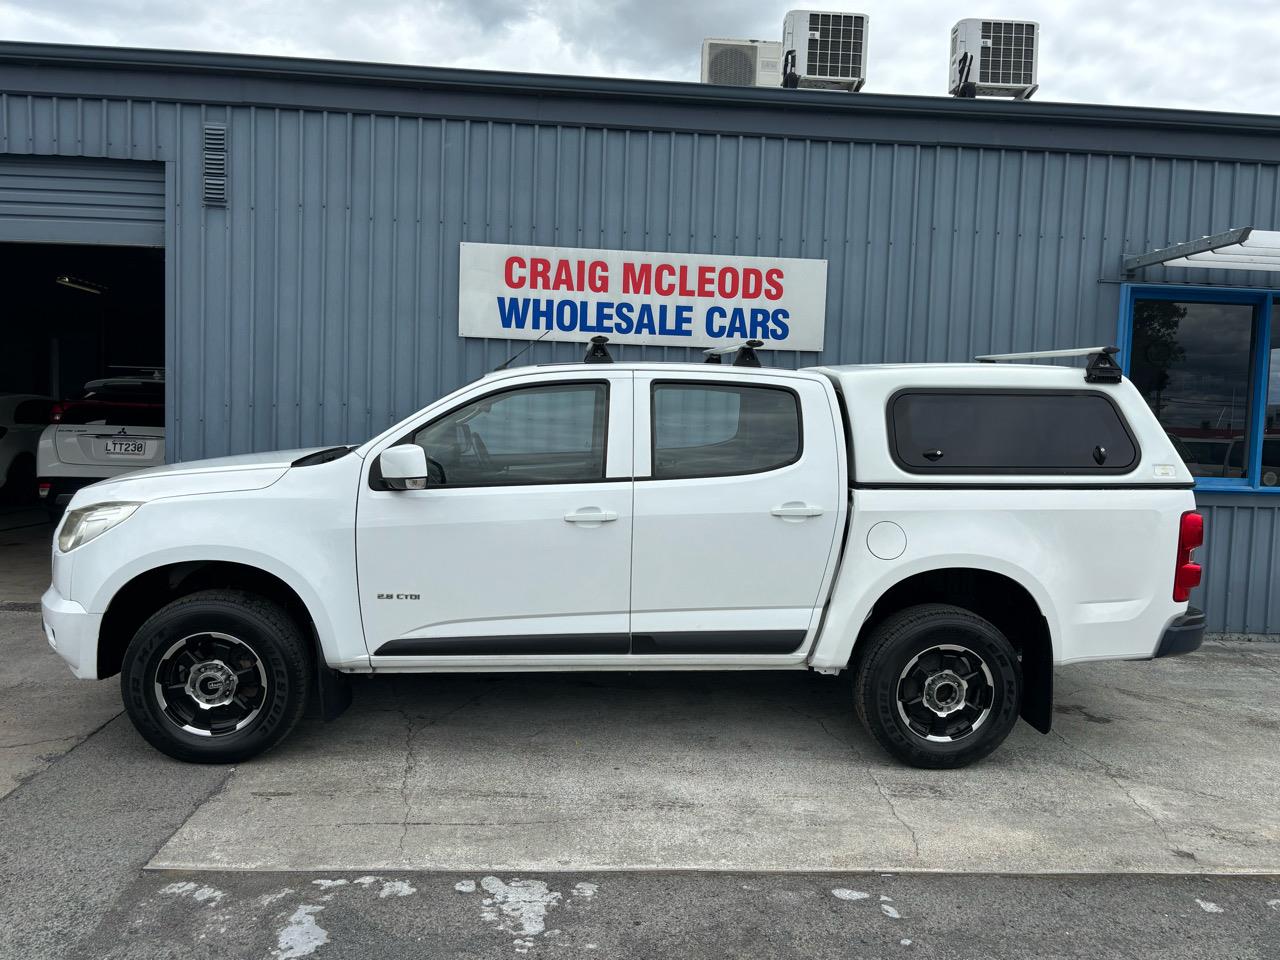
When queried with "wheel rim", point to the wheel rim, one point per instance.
{"points": [[945, 693], [210, 684]]}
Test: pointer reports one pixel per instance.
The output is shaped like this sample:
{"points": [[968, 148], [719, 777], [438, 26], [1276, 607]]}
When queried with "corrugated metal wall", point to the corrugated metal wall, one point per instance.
{"points": [[320, 305], [1241, 558]]}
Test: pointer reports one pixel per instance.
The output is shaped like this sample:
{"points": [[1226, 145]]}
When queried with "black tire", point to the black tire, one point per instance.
{"points": [[203, 639], [908, 671]]}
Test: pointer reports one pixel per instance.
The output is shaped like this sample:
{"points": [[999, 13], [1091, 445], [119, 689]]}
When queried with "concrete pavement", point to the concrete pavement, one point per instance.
{"points": [[25, 542], [411, 916], [77, 832], [1162, 767], [44, 710]]}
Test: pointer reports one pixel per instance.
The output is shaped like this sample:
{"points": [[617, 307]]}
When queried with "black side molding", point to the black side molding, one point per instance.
{"points": [[676, 642], [511, 646], [1184, 635], [718, 641]]}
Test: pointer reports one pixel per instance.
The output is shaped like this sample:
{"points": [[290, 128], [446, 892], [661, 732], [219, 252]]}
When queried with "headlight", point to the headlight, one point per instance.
{"points": [[81, 526]]}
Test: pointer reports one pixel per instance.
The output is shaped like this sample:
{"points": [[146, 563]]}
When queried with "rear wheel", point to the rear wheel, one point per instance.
{"points": [[938, 686], [216, 677]]}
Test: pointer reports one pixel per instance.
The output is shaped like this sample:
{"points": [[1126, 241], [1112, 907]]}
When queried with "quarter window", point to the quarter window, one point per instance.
{"points": [[713, 430], [1040, 432], [550, 434]]}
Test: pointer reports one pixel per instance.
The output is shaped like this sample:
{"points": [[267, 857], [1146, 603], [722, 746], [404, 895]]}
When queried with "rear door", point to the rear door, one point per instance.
{"points": [[738, 502]]}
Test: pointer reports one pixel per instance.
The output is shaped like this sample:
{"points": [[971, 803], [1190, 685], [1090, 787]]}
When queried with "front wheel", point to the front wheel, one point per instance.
{"points": [[216, 677], [938, 686]]}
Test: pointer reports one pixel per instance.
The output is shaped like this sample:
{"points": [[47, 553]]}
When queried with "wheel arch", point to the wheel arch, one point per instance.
{"points": [[148, 591], [996, 596]]}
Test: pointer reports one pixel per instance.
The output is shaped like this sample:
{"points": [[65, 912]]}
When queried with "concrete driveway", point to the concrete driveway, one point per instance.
{"points": [[1163, 767], [1155, 767], [25, 542]]}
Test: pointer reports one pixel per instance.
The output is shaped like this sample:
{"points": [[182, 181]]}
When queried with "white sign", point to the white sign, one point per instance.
{"points": [[520, 292]]}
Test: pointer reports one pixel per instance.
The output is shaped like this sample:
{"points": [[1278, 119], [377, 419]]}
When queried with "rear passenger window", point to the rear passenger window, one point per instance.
{"points": [[706, 430], [957, 431]]}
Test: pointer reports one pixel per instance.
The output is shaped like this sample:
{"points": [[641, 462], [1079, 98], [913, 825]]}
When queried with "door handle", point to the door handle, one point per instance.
{"points": [[591, 515], [796, 510]]}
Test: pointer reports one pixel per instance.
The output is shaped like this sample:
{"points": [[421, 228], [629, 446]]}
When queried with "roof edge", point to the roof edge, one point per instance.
{"points": [[553, 85]]}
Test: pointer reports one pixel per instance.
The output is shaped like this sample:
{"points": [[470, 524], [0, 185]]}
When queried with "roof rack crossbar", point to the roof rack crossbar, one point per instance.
{"points": [[744, 354], [1101, 368], [1045, 354]]}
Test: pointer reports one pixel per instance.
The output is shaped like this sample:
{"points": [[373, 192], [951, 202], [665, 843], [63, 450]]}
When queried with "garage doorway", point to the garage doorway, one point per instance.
{"points": [[83, 325], [82, 331]]}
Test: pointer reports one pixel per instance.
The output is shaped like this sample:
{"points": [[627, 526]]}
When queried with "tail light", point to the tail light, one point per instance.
{"points": [[44, 487], [56, 412], [1186, 575]]}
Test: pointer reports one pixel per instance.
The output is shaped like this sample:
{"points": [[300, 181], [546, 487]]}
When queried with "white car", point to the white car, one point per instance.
{"points": [[116, 425], [23, 417], [948, 532]]}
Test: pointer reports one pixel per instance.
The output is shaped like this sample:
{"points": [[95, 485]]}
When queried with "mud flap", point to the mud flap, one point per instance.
{"points": [[1037, 687], [331, 694]]}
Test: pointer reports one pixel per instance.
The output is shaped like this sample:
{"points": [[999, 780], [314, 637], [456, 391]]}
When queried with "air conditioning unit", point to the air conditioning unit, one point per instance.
{"points": [[824, 50], [742, 63], [994, 58]]}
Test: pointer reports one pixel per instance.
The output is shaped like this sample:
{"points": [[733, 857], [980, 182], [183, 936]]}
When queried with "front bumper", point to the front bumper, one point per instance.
{"points": [[1184, 635], [72, 632]]}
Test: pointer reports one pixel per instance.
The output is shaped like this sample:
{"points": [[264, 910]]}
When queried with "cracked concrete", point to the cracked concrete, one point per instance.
{"points": [[1163, 767]]}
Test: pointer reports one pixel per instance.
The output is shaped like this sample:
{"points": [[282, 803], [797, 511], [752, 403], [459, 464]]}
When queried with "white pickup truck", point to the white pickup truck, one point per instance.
{"points": [[948, 532]]}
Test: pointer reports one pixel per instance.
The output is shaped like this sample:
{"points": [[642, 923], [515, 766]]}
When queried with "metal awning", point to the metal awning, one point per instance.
{"points": [[1245, 248]]}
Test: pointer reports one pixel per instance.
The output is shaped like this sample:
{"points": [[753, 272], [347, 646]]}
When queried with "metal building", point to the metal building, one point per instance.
{"points": [[310, 215]]}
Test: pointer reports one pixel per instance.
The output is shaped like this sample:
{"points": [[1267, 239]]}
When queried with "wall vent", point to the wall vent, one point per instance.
{"points": [[215, 165]]}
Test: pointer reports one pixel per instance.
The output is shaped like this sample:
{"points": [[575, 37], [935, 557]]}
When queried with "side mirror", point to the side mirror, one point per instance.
{"points": [[404, 467]]}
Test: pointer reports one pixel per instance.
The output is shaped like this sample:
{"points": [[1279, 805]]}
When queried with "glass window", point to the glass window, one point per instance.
{"points": [[1269, 476], [703, 430], [1192, 363], [552, 434], [954, 431]]}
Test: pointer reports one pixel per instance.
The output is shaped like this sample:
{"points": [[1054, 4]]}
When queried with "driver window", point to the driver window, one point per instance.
{"points": [[551, 434]]}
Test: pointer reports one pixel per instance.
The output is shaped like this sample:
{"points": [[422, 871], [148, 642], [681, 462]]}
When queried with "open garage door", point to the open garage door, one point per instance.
{"points": [[82, 381], [57, 200]]}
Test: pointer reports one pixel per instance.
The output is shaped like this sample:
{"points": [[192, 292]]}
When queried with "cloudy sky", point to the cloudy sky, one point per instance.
{"points": [[1171, 53]]}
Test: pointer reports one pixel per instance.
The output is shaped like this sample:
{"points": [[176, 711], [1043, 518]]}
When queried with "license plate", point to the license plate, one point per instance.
{"points": [[126, 448]]}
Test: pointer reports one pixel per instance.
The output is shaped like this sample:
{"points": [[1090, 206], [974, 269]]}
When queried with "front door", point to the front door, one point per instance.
{"points": [[738, 505], [520, 543]]}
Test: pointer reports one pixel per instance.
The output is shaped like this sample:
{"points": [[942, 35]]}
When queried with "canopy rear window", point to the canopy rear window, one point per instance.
{"points": [[1005, 432]]}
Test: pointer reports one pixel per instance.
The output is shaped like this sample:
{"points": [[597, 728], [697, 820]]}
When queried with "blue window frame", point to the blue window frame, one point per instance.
{"points": [[1207, 359]]}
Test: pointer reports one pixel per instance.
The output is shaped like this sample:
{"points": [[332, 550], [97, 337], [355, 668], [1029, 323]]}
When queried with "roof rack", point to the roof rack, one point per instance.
{"points": [[598, 352], [744, 354], [1101, 368]]}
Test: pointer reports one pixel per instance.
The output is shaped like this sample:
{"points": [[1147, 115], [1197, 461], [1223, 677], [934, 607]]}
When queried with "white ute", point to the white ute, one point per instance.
{"points": [[948, 532]]}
